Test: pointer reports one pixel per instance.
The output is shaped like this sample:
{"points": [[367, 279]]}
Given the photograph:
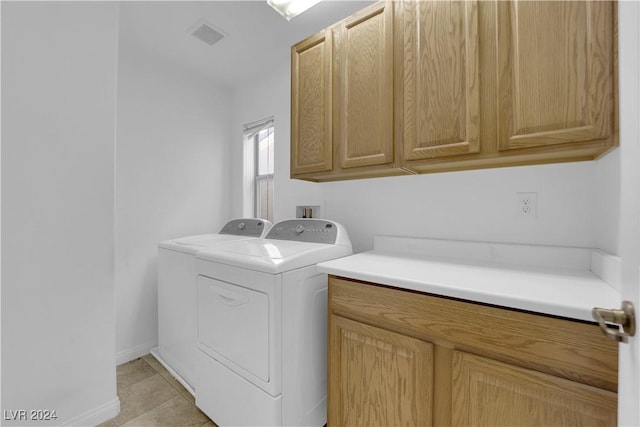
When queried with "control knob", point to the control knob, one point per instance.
{"points": [[299, 229], [241, 226]]}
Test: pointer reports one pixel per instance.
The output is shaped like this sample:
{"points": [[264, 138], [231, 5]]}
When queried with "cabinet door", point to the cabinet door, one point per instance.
{"points": [[439, 106], [311, 104], [555, 66], [491, 393], [377, 377], [363, 109]]}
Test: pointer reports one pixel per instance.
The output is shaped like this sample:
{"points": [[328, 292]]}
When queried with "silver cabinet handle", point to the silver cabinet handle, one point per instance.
{"points": [[624, 318]]}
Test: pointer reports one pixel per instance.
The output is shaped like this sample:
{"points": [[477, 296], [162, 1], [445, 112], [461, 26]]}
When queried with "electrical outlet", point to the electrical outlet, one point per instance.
{"points": [[527, 205]]}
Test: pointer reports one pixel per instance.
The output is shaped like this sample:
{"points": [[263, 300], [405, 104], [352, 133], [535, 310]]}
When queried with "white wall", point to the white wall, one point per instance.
{"points": [[269, 97], [607, 194], [58, 124], [171, 180], [472, 205]]}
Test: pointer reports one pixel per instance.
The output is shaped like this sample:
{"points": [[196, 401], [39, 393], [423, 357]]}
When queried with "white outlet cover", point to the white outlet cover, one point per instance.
{"points": [[527, 205]]}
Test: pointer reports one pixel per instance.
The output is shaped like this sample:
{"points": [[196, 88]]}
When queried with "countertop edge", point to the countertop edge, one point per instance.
{"points": [[562, 306]]}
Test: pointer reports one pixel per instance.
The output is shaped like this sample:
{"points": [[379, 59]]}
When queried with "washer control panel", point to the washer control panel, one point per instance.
{"points": [[249, 227], [305, 230]]}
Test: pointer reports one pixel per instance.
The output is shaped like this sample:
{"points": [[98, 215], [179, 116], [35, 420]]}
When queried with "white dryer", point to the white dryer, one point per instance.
{"points": [[177, 293], [262, 326]]}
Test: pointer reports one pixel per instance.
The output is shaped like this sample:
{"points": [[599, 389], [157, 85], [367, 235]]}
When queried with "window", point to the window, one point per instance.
{"points": [[258, 169], [264, 173]]}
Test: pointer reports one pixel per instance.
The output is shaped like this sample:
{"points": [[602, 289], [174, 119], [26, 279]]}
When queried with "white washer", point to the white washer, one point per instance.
{"points": [[262, 326], [177, 293]]}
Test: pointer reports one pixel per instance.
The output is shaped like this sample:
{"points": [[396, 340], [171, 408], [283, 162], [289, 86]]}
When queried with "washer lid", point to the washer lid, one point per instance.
{"points": [[193, 244], [273, 256], [234, 230]]}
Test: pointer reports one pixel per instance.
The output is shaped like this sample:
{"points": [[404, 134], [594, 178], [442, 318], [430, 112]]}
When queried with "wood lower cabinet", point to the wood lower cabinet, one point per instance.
{"points": [[486, 392], [400, 357], [385, 377]]}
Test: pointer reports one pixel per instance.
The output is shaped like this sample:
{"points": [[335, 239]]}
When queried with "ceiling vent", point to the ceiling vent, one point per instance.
{"points": [[205, 32]]}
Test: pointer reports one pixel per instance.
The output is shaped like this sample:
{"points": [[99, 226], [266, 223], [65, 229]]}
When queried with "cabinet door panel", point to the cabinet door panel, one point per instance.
{"points": [[378, 377], [311, 136], [364, 83], [491, 393], [440, 102], [555, 65]]}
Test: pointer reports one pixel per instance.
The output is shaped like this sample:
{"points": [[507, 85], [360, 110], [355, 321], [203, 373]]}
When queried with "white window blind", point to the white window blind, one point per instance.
{"points": [[251, 129], [261, 135]]}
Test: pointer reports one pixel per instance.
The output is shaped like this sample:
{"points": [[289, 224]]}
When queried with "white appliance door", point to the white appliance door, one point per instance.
{"points": [[629, 68], [233, 325], [176, 312]]}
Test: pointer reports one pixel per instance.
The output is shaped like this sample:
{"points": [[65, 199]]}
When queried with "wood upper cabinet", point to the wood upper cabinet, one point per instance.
{"points": [[555, 72], [363, 105], [311, 109], [413, 86], [358, 89], [399, 357], [438, 96]]}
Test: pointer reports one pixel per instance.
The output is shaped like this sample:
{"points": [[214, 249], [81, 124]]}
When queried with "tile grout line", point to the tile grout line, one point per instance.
{"points": [[152, 408], [159, 374], [181, 391], [155, 407], [166, 379]]}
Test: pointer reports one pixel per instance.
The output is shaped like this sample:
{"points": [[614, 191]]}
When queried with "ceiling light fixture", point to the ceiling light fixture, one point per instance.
{"points": [[291, 8]]}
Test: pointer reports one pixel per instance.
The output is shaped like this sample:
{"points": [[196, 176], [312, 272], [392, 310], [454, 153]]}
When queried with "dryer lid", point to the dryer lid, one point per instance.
{"points": [[273, 256]]}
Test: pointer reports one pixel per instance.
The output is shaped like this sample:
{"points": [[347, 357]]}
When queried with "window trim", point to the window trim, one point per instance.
{"points": [[257, 177]]}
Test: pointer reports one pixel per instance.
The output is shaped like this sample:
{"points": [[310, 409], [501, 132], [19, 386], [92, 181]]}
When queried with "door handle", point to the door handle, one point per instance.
{"points": [[624, 318], [229, 298]]}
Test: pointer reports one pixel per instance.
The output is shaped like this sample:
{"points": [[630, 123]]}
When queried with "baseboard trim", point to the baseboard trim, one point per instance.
{"points": [[97, 416], [133, 353], [156, 355]]}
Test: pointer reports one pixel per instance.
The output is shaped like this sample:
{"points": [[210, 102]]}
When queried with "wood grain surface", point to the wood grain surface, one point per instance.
{"points": [[564, 371], [491, 393], [363, 108], [441, 78], [311, 127], [383, 378], [555, 67], [478, 84]]}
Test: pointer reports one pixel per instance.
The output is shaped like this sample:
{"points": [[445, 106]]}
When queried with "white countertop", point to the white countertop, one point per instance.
{"points": [[548, 288]]}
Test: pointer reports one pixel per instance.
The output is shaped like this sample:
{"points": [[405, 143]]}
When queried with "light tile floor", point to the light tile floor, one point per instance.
{"points": [[150, 396]]}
